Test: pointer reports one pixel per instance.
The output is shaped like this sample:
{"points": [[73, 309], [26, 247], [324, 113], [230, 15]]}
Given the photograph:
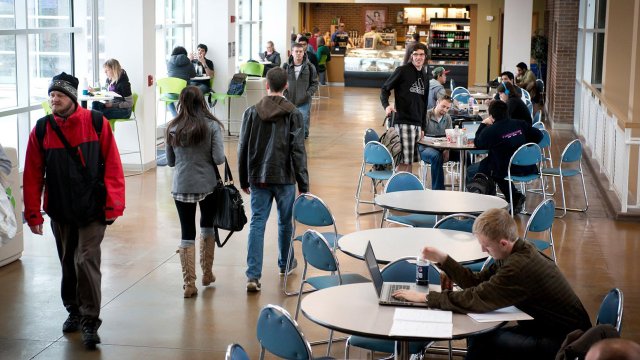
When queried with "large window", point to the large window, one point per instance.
{"points": [[249, 29], [175, 24], [591, 31]]}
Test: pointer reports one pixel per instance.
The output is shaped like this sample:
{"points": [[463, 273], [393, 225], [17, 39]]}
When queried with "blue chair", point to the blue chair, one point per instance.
{"points": [[462, 98], [539, 125], [610, 311], [370, 135], [537, 117], [236, 352], [545, 145], [460, 222], [541, 221], [311, 211], [459, 90], [526, 155], [318, 253], [400, 270], [280, 334], [540, 89], [487, 263], [378, 158], [570, 165], [403, 181], [529, 106], [525, 95]]}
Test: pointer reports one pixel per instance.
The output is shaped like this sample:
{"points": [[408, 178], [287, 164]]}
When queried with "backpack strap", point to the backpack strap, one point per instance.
{"points": [[96, 116], [41, 126]]}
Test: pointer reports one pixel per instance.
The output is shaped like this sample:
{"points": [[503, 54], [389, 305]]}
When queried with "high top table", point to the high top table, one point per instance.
{"points": [[354, 309], [394, 243], [439, 202]]}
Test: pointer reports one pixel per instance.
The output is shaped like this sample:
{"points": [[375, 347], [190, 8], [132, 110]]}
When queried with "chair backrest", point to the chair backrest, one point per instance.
{"points": [[370, 135], [490, 261], [171, 85], [529, 106], [459, 222], [236, 352], [541, 218], [459, 90], [310, 210], [462, 98], [452, 84], [133, 108], [525, 94], [540, 86], [46, 107], [539, 125], [403, 181], [537, 117], [610, 311], [546, 139], [404, 270], [377, 154], [572, 152], [252, 68], [527, 154], [317, 252], [279, 334]]}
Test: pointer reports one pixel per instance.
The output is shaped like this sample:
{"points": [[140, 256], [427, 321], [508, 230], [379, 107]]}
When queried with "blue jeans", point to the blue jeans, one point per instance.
{"points": [[111, 112], [261, 200], [433, 157], [305, 109], [512, 343]]}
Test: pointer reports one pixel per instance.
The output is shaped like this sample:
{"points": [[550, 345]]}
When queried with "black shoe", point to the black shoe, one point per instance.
{"points": [[72, 324], [90, 337], [519, 204]]}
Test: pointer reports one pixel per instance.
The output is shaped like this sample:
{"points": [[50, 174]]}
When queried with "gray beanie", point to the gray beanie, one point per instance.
{"points": [[68, 84]]}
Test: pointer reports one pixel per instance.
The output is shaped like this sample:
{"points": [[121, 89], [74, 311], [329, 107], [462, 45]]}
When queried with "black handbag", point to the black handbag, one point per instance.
{"points": [[229, 214]]}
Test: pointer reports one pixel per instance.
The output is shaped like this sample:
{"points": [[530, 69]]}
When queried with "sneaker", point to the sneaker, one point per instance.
{"points": [[72, 324], [90, 337], [253, 285], [519, 204], [293, 265]]}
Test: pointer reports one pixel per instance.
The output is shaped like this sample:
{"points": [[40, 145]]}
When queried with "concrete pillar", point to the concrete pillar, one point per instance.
{"points": [[516, 42]]}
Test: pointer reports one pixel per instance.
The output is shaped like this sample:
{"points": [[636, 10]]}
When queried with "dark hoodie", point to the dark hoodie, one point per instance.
{"points": [[179, 66], [271, 145]]}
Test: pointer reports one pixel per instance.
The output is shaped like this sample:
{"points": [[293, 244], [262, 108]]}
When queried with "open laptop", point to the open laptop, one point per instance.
{"points": [[385, 289], [471, 127], [262, 57]]}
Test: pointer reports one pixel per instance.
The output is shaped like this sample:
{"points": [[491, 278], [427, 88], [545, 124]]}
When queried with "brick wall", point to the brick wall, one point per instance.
{"points": [[562, 29]]}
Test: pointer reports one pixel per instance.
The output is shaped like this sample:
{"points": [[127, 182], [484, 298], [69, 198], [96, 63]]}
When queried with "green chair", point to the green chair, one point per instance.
{"points": [[210, 93], [169, 88], [46, 107], [224, 96], [323, 62], [252, 68], [133, 118]]}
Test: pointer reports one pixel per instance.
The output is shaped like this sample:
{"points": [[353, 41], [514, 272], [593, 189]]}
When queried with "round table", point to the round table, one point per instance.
{"points": [[439, 202], [394, 243], [445, 145], [362, 315], [94, 97]]}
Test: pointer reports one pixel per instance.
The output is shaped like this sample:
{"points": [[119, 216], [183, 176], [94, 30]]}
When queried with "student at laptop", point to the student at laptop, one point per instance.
{"points": [[521, 276], [436, 121]]}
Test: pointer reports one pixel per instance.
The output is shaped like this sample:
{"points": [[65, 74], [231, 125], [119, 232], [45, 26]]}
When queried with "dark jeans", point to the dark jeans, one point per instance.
{"points": [[483, 167], [187, 215], [111, 112], [511, 343], [79, 254]]}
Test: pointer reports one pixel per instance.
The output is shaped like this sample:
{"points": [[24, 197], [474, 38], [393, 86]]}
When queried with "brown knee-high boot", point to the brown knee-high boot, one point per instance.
{"points": [[207, 249], [188, 261]]}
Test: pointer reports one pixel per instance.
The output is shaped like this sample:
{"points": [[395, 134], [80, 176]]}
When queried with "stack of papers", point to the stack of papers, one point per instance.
{"points": [[422, 323], [510, 313]]}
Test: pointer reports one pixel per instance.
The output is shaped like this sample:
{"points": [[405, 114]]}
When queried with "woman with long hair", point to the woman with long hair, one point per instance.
{"points": [[194, 146], [118, 82], [516, 107]]}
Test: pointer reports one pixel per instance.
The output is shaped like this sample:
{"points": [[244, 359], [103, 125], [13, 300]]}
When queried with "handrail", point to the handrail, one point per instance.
{"points": [[622, 118]]}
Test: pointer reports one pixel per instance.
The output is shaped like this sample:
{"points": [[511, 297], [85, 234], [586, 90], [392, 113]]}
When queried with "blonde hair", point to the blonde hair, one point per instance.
{"points": [[496, 224], [114, 65]]}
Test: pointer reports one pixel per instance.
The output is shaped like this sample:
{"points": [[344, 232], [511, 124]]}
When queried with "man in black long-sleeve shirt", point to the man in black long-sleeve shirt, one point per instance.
{"points": [[408, 85], [502, 136]]}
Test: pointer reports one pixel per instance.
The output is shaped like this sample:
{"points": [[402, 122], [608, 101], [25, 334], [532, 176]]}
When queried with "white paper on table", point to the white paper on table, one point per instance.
{"points": [[422, 323], [510, 313], [109, 93]]}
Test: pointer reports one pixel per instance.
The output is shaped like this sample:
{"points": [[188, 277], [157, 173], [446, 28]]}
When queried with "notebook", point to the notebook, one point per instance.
{"points": [[262, 57], [385, 289]]}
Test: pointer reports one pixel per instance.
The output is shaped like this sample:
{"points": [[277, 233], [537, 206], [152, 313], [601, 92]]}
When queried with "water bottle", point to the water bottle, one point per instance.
{"points": [[422, 271], [470, 103], [456, 135]]}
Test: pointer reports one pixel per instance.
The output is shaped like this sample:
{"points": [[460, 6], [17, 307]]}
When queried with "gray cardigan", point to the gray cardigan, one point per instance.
{"points": [[194, 173]]}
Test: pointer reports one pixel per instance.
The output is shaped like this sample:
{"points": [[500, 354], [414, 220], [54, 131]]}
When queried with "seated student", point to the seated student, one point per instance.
{"points": [[179, 66], [118, 82], [516, 107], [436, 121], [206, 68], [521, 276], [507, 77], [526, 79], [614, 349], [502, 136]]}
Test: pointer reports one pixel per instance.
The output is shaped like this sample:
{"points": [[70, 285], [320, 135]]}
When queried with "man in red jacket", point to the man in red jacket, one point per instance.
{"points": [[73, 156]]}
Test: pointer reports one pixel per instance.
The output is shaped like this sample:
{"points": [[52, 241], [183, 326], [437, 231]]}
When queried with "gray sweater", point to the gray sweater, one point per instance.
{"points": [[194, 173], [5, 163], [435, 90]]}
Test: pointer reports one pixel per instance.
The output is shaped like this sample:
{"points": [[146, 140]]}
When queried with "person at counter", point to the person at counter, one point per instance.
{"points": [[313, 39], [436, 86], [377, 39], [205, 66], [408, 84], [340, 38]]}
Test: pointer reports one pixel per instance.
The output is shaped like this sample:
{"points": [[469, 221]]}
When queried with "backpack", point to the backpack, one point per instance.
{"points": [[482, 184], [237, 83], [391, 140]]}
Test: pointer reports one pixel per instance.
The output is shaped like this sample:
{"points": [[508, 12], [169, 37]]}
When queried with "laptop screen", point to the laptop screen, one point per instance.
{"points": [[374, 270], [471, 127]]}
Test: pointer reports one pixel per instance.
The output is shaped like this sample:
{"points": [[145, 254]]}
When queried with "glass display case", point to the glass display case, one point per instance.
{"points": [[370, 68]]}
